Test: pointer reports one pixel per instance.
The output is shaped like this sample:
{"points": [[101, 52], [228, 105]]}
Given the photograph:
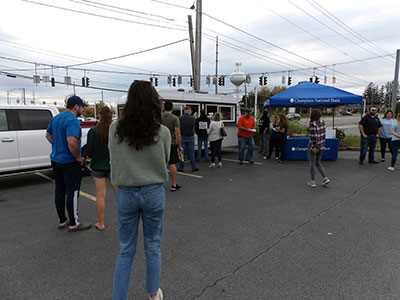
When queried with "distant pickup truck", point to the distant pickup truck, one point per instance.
{"points": [[23, 143]]}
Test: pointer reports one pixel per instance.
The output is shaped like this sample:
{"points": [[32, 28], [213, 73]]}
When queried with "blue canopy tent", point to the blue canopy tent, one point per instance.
{"points": [[309, 94]]}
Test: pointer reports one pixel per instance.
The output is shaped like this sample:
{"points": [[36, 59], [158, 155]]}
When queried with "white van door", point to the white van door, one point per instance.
{"points": [[33, 147], [9, 160]]}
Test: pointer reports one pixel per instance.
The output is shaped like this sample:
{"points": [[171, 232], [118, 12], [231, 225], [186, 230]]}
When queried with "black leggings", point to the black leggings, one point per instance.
{"points": [[216, 150], [383, 146]]}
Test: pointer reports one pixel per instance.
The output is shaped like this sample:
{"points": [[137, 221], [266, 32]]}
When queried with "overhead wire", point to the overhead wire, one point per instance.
{"points": [[339, 22], [102, 16]]}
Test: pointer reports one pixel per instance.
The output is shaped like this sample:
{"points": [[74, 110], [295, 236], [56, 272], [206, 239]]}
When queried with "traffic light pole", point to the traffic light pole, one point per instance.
{"points": [[197, 50], [216, 65], [395, 82], [191, 44]]}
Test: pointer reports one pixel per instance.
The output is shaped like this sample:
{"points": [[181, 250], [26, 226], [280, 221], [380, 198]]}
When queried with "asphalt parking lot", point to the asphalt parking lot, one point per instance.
{"points": [[240, 232]]}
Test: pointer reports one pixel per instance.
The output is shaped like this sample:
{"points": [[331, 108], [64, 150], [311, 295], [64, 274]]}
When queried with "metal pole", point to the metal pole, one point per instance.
{"points": [[216, 65], [245, 95], [395, 82], [23, 95], [191, 41], [102, 96], [255, 102], [197, 49], [8, 97]]}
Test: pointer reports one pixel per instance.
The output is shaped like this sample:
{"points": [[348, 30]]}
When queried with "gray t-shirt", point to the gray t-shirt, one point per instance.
{"points": [[171, 121]]}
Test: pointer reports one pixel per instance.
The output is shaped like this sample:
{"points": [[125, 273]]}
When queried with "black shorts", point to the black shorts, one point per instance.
{"points": [[173, 157]]}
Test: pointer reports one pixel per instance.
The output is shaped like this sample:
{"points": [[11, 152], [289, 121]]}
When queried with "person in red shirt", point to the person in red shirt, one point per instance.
{"points": [[246, 127]]}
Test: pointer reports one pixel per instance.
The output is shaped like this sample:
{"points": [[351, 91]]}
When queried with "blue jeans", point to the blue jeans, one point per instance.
{"points": [[395, 151], [200, 142], [188, 148], [133, 203], [242, 142], [264, 142], [370, 142]]}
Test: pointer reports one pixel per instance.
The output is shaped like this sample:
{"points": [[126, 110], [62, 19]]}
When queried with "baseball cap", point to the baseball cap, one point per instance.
{"points": [[75, 100], [247, 110]]}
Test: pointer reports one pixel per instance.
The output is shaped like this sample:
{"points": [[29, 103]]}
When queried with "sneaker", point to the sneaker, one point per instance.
{"points": [[220, 165], [390, 168], [80, 227], [251, 162], [361, 162], [325, 182], [195, 170], [241, 162], [264, 157], [175, 188], [312, 184], [212, 165], [382, 160], [159, 296]]}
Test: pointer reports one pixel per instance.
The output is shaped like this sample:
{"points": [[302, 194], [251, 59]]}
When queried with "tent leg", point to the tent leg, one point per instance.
{"points": [[333, 117]]}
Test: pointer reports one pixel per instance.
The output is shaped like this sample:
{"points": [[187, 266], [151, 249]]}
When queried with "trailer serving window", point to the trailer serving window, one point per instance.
{"points": [[227, 112]]}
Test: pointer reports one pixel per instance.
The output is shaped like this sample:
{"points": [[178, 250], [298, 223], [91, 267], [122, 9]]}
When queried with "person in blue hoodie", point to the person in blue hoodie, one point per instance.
{"points": [[385, 136]]}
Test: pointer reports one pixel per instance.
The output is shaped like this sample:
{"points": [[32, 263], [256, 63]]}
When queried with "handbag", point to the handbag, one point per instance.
{"points": [[222, 131]]}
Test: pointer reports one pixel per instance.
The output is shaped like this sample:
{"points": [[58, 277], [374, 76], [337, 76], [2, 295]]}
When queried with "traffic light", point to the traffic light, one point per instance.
{"points": [[316, 79], [311, 79], [83, 81], [265, 80], [53, 82], [191, 81], [260, 80], [219, 81], [156, 81], [169, 79], [289, 80], [223, 80], [87, 81], [174, 81]]}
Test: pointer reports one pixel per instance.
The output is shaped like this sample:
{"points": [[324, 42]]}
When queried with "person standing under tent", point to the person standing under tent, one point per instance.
{"points": [[263, 129]]}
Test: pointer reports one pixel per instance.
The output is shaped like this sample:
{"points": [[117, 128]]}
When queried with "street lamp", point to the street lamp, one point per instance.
{"points": [[9, 92]]}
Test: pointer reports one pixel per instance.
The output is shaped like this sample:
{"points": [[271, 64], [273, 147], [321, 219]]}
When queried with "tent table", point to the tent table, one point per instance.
{"points": [[296, 149]]}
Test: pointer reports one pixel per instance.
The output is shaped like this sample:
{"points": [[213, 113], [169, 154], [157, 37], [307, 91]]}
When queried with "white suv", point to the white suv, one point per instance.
{"points": [[23, 144]]}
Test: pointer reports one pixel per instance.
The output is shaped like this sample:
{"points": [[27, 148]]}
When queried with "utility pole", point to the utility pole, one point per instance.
{"points": [[191, 40], [197, 49], [23, 95], [395, 82], [216, 65]]}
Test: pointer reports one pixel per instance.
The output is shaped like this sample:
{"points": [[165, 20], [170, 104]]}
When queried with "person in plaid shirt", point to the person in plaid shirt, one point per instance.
{"points": [[317, 131]]}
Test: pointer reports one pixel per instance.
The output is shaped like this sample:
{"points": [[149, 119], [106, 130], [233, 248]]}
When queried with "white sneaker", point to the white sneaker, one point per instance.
{"points": [[312, 184], [326, 181], [220, 165], [212, 166], [390, 168], [159, 296]]}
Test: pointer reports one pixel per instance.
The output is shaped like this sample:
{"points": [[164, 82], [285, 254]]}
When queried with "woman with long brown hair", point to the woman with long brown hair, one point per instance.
{"points": [[97, 150], [139, 151]]}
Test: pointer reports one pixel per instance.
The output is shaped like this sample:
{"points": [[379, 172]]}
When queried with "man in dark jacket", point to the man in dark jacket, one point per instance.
{"points": [[187, 122], [202, 124], [370, 127]]}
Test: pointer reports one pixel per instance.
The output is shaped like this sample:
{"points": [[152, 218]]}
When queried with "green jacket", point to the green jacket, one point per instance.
{"points": [[99, 154], [131, 167]]}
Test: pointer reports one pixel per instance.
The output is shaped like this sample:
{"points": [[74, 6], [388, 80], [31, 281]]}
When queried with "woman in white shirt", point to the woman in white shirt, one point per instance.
{"points": [[215, 139]]}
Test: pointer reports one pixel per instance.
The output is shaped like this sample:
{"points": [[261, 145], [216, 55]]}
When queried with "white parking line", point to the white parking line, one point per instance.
{"points": [[246, 162], [83, 194]]}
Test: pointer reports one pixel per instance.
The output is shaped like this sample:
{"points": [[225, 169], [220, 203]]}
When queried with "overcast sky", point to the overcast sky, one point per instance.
{"points": [[355, 41]]}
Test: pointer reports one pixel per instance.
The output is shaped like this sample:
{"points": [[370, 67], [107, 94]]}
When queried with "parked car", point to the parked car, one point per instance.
{"points": [[346, 113], [293, 116], [23, 143]]}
